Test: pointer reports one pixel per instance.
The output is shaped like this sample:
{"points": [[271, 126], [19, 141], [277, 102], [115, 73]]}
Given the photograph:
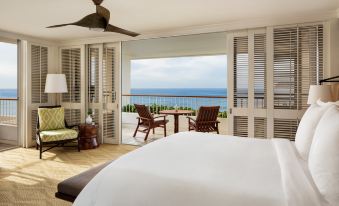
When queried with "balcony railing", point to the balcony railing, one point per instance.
{"points": [[8, 108], [156, 103]]}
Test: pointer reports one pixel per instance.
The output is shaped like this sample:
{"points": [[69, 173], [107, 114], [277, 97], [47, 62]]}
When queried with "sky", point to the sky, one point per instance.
{"points": [[180, 72], [8, 66]]}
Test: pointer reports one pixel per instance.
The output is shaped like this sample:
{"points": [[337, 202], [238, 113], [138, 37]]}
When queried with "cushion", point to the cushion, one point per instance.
{"points": [[51, 118], [307, 126], [70, 188], [324, 155], [57, 135]]}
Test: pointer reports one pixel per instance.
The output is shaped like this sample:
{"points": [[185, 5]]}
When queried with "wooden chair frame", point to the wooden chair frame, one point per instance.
{"points": [[61, 143], [147, 121], [206, 120]]}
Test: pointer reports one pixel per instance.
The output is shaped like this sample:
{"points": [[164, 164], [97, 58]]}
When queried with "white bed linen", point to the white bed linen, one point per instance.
{"points": [[204, 169]]}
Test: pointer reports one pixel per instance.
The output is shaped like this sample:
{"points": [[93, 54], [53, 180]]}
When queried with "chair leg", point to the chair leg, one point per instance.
{"points": [[149, 129], [40, 150], [217, 129], [37, 146], [153, 131], [136, 130], [165, 130], [78, 144]]}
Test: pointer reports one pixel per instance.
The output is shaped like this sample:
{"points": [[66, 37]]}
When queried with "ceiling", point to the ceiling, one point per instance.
{"points": [[146, 16]]}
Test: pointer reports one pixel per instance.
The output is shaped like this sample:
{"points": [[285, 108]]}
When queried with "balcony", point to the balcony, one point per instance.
{"points": [[8, 121], [156, 103]]}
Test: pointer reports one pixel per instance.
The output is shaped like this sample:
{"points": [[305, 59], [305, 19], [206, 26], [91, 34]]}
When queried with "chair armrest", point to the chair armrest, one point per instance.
{"points": [[202, 122], [160, 116], [72, 126], [142, 118], [190, 118]]}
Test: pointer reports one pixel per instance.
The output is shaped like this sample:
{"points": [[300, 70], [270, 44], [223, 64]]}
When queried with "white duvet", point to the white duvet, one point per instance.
{"points": [[204, 169]]}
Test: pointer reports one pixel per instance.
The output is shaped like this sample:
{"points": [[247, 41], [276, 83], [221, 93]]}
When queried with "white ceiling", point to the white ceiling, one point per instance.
{"points": [[30, 17]]}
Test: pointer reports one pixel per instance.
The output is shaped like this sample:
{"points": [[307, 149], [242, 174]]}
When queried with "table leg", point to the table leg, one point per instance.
{"points": [[176, 123]]}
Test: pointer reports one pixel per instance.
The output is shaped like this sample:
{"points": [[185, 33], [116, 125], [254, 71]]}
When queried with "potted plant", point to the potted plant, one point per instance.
{"points": [[89, 116]]}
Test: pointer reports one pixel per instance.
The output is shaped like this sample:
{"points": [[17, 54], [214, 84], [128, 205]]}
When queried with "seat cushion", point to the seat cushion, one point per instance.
{"points": [[57, 135], [51, 118]]}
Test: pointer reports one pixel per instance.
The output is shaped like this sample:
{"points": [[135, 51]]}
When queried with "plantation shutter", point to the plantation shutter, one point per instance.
{"points": [[298, 63], [240, 72], [72, 100], [109, 66], [39, 70], [260, 71], [93, 75]]}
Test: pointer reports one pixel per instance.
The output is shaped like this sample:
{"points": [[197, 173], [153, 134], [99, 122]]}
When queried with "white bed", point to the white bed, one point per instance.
{"points": [[205, 169]]}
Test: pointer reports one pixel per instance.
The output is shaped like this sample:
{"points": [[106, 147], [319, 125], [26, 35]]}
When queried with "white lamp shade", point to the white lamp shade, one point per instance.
{"points": [[335, 92], [56, 83], [319, 92]]}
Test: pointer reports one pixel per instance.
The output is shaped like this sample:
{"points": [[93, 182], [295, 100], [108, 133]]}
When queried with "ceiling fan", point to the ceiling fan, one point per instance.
{"points": [[98, 21]]}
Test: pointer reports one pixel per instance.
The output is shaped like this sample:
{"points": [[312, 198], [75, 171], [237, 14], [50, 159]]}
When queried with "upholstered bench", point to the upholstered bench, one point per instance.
{"points": [[70, 188]]}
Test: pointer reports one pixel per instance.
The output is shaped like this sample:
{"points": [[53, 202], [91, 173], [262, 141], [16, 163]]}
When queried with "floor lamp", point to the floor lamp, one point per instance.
{"points": [[56, 83]]}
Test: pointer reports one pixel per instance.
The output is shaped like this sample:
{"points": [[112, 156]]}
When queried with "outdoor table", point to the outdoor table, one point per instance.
{"points": [[176, 114]]}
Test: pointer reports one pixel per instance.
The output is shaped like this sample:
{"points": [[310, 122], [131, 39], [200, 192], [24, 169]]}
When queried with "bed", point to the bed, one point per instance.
{"points": [[199, 169]]}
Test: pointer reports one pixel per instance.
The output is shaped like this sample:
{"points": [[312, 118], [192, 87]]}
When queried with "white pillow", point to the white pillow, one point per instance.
{"points": [[324, 155], [307, 126]]}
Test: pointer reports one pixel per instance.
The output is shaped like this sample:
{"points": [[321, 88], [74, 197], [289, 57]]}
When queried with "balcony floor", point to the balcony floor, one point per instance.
{"points": [[129, 123]]}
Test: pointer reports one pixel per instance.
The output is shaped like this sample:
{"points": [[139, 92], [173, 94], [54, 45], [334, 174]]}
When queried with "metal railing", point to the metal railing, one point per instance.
{"points": [[8, 110], [156, 103]]}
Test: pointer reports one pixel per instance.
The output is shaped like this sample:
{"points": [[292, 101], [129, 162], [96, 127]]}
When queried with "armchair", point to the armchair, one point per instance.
{"points": [[52, 129]]}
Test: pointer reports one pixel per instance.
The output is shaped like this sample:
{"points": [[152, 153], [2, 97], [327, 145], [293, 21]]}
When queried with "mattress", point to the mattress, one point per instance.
{"points": [[200, 169]]}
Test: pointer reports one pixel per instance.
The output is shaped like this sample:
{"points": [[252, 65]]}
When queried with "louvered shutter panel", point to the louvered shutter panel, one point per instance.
{"points": [[109, 77], [260, 71], [39, 69], [285, 128], [108, 87], [34, 116], [298, 63], [240, 71], [93, 75], [260, 127], [71, 67], [240, 126]]}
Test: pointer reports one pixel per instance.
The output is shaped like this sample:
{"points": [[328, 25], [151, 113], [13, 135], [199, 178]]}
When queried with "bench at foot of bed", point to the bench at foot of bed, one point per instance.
{"points": [[70, 188]]}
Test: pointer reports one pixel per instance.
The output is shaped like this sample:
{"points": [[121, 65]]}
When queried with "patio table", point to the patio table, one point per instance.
{"points": [[176, 114]]}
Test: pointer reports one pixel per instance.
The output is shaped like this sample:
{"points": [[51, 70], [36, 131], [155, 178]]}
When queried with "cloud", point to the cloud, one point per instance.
{"points": [[181, 72]]}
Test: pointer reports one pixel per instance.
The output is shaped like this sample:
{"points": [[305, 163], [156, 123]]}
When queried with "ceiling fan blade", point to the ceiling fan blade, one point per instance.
{"points": [[97, 2], [102, 11], [111, 28], [60, 25]]}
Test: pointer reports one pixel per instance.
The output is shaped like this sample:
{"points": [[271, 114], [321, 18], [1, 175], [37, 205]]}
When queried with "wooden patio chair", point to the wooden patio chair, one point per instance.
{"points": [[147, 121], [53, 130], [206, 120]]}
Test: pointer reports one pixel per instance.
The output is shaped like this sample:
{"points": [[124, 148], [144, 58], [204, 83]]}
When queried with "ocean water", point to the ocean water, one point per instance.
{"points": [[8, 93], [193, 103]]}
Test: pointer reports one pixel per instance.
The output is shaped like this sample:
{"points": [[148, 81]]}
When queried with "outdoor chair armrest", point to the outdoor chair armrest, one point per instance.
{"points": [[202, 122], [190, 118], [142, 118], [160, 116]]}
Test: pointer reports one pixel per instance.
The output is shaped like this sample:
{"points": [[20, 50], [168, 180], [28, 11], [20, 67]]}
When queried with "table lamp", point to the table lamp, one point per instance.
{"points": [[319, 92], [56, 83]]}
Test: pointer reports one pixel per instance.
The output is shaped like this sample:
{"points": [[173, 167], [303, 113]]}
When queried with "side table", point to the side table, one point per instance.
{"points": [[88, 136]]}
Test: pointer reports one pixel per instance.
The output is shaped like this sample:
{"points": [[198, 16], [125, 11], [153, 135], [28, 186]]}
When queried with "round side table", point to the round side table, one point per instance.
{"points": [[88, 136]]}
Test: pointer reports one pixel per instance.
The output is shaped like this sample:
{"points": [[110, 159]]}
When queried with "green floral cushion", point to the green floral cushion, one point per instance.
{"points": [[51, 118], [57, 135]]}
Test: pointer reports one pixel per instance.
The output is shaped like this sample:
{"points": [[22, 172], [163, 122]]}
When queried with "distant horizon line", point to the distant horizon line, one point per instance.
{"points": [[181, 88]]}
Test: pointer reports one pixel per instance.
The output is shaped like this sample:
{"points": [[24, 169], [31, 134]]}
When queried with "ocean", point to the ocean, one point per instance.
{"points": [[193, 103], [8, 93]]}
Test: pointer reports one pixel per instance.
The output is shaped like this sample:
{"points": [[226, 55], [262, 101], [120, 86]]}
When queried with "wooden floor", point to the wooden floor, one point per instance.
{"points": [[26, 180]]}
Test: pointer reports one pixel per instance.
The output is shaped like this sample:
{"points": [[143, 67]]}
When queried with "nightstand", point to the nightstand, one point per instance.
{"points": [[88, 136]]}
